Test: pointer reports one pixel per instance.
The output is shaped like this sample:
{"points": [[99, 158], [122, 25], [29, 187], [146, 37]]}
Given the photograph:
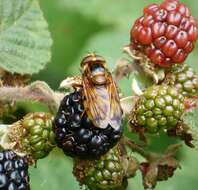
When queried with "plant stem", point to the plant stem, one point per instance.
{"points": [[151, 156], [38, 91], [137, 148]]}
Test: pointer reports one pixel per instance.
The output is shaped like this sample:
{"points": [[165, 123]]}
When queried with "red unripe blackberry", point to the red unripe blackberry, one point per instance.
{"points": [[13, 171], [77, 135], [166, 33]]}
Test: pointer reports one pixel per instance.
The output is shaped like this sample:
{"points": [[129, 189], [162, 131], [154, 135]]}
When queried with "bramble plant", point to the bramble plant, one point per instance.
{"points": [[106, 134]]}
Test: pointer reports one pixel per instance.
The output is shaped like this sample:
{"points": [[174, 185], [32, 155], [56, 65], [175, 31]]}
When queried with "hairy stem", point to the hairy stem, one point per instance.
{"points": [[137, 148], [38, 91], [170, 152]]}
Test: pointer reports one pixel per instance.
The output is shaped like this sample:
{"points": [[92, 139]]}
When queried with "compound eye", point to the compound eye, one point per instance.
{"points": [[94, 66], [97, 69]]}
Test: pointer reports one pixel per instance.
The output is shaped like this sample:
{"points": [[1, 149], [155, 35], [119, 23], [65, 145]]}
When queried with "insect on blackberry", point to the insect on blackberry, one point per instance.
{"points": [[88, 122]]}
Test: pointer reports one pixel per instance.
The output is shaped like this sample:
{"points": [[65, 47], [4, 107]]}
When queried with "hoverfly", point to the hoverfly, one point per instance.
{"points": [[101, 99], [102, 102]]}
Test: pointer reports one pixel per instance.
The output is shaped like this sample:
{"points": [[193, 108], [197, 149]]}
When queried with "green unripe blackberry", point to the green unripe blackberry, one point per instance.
{"points": [[160, 106], [102, 174], [34, 135], [185, 79]]}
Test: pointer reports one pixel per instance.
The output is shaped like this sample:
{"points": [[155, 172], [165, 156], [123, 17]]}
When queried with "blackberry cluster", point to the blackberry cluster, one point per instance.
{"points": [[166, 33], [106, 173], [76, 135], [185, 80], [160, 106], [13, 171]]}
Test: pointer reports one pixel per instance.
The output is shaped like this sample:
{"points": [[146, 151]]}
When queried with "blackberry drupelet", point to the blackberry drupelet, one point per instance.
{"points": [[160, 107], [76, 135], [13, 171]]}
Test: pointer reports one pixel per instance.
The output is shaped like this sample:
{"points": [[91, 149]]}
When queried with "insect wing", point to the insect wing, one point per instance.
{"points": [[115, 114], [97, 103]]}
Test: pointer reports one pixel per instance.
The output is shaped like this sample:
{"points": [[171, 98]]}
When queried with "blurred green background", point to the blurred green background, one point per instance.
{"points": [[81, 26]]}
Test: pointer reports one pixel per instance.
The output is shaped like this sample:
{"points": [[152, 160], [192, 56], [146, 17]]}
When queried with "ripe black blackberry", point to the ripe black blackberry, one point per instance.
{"points": [[13, 171], [77, 135]]}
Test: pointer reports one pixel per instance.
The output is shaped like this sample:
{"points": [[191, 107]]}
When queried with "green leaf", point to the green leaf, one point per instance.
{"points": [[110, 11], [191, 118], [192, 59], [24, 37], [53, 173]]}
